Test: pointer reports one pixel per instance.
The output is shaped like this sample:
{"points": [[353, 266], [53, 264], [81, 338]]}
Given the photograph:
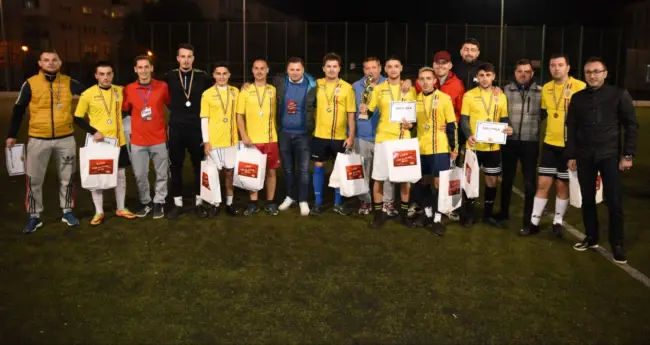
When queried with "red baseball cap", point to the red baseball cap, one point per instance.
{"points": [[442, 55]]}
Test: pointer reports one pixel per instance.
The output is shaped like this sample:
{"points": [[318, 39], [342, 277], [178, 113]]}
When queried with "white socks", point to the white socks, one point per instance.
{"points": [[304, 208], [178, 201], [438, 218], [120, 190], [120, 194], [428, 211], [229, 199], [538, 209], [560, 209]]}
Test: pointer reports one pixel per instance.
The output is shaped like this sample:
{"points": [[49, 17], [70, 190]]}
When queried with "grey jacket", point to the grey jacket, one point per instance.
{"points": [[524, 111]]}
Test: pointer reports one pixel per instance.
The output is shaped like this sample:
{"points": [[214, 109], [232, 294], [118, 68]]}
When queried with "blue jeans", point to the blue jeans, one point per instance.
{"points": [[295, 150]]}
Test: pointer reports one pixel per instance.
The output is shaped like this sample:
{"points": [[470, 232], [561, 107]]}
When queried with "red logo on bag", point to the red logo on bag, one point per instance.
{"points": [[100, 167], [598, 182], [354, 172], [468, 173], [205, 180], [454, 187], [404, 158], [247, 169]]}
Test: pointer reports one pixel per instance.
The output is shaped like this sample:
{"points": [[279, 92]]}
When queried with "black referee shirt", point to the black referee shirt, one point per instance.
{"points": [[180, 114]]}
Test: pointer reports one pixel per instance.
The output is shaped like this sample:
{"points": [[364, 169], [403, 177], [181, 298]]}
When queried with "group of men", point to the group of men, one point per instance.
{"points": [[297, 119]]}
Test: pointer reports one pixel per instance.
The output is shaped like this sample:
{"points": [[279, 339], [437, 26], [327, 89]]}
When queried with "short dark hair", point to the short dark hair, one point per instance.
{"points": [[295, 59], [331, 57], [220, 64], [47, 51], [185, 46], [141, 57], [394, 58], [486, 67], [523, 62], [560, 56], [596, 59], [260, 59], [103, 63], [473, 41], [372, 58]]}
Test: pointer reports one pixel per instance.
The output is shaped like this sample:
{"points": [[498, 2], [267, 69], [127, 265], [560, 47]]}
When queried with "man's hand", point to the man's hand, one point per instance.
{"points": [[245, 85], [10, 142], [207, 148], [443, 127], [406, 125], [508, 130], [247, 141], [497, 91], [363, 108], [348, 143], [572, 165], [98, 136], [471, 141], [406, 85], [624, 164], [454, 155]]}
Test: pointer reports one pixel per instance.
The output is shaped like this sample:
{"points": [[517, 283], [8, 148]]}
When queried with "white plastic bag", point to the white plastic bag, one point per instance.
{"points": [[450, 194], [210, 185], [403, 157], [470, 181], [575, 195], [98, 163], [348, 175], [250, 169]]}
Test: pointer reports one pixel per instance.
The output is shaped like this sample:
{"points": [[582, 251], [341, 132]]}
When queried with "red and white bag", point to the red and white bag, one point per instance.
{"points": [[348, 175], [250, 169], [450, 195], [210, 184], [98, 165], [470, 181], [575, 195], [403, 157]]}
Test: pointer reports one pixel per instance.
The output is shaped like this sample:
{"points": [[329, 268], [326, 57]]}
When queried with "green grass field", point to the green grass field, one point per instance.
{"points": [[289, 279]]}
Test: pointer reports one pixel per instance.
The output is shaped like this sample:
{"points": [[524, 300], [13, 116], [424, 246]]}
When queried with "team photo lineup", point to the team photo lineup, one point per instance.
{"points": [[430, 137]]}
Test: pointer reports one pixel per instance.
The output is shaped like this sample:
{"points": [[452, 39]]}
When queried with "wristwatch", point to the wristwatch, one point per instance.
{"points": [[628, 157]]}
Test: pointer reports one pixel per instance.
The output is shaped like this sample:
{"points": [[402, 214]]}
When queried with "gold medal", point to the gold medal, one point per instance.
{"points": [[427, 127], [225, 119], [329, 110]]}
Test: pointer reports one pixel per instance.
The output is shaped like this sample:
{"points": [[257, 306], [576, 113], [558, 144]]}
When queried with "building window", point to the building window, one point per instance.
{"points": [[31, 4], [86, 10], [117, 13]]}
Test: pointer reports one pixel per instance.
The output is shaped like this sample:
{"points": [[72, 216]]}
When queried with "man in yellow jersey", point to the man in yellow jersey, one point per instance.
{"points": [[556, 96], [256, 121], [481, 104], [382, 97], [219, 130], [335, 128], [103, 104], [438, 145]]}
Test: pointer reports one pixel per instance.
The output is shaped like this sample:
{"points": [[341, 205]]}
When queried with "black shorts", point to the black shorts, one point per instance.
{"points": [[124, 160], [553, 163], [490, 162], [323, 150]]}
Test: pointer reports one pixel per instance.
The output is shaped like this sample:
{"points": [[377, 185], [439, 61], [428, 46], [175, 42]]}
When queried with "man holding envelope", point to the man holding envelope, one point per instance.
{"points": [[387, 96], [485, 123]]}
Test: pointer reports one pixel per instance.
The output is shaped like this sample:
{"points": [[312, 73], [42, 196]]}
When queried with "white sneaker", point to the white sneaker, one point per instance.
{"points": [[286, 204], [304, 208]]}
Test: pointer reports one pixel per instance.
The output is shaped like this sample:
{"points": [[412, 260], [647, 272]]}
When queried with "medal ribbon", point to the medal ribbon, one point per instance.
{"points": [[330, 99], [184, 85], [488, 107], [108, 109], [257, 93], [57, 95], [224, 106], [565, 87], [145, 98]]}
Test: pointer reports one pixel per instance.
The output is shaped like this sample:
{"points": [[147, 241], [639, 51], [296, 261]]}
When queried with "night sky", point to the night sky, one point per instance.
{"points": [[517, 12]]}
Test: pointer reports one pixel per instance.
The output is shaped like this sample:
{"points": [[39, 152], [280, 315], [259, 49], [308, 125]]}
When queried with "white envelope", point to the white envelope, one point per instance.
{"points": [[15, 159]]}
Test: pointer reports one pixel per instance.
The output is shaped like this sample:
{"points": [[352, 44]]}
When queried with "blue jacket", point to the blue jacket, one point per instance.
{"points": [[280, 83], [366, 129]]}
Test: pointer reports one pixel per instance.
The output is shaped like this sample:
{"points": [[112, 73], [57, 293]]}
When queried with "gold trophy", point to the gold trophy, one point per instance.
{"points": [[367, 90]]}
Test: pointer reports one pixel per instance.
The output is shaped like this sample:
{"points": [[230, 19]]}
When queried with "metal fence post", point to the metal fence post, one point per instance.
{"points": [[346, 51], [582, 33], [326, 51], [406, 44], [426, 42], [446, 36], [385, 41], [266, 40], [189, 32], [541, 63], [150, 37], [562, 43], [306, 61], [286, 40], [208, 39], [618, 54], [365, 42], [169, 42], [228, 41]]}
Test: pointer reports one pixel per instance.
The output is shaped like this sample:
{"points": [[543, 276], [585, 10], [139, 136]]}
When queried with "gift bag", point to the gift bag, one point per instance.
{"points": [[470, 181], [98, 163], [250, 169], [403, 157], [575, 195], [348, 175], [210, 185], [450, 196]]}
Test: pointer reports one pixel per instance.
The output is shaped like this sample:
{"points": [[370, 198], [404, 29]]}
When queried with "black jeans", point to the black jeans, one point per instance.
{"points": [[296, 149], [182, 139], [527, 152], [611, 182]]}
